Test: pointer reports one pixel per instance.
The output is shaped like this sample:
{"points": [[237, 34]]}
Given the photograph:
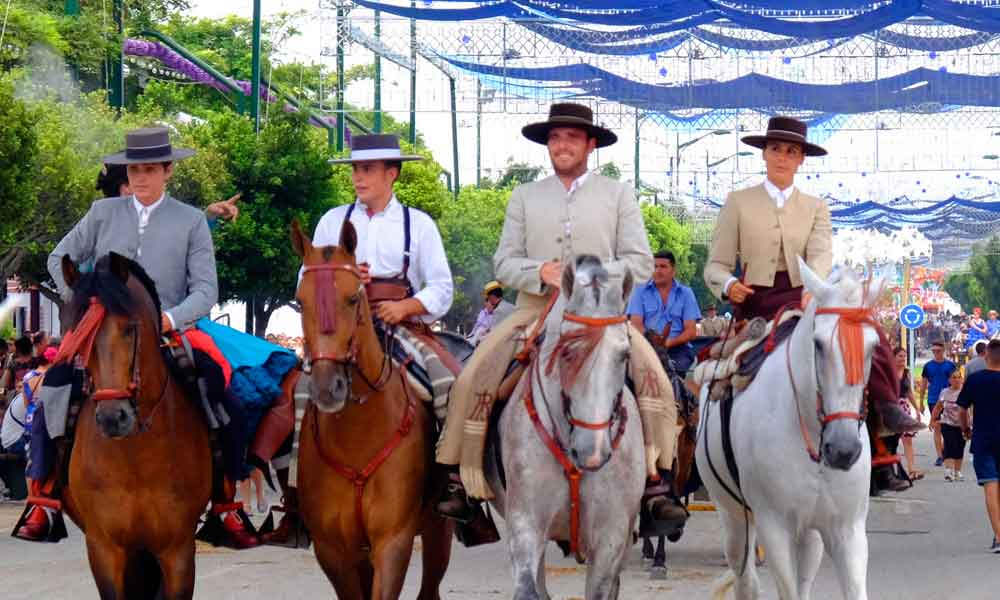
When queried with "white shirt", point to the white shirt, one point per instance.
{"points": [[144, 213], [381, 244], [780, 197], [578, 182]]}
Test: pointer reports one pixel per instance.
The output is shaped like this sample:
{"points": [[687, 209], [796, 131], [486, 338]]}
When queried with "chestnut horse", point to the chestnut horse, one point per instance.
{"points": [[136, 427], [365, 448]]}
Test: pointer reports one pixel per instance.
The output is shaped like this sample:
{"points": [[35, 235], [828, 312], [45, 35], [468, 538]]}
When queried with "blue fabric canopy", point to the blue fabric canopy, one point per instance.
{"points": [[919, 87], [840, 18]]}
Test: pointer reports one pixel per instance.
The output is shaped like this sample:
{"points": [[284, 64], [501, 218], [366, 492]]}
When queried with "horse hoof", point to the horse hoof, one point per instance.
{"points": [[657, 573], [675, 536]]}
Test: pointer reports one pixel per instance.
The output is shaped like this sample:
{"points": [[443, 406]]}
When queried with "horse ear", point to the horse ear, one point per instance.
{"points": [[300, 241], [348, 237], [119, 266], [627, 284], [71, 274], [569, 278], [814, 284], [874, 290]]}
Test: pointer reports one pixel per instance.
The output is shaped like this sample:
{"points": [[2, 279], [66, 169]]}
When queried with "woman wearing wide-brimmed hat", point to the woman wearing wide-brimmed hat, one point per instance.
{"points": [[767, 228]]}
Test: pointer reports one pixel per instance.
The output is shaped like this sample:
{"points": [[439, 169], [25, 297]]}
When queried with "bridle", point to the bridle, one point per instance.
{"points": [[850, 324], [551, 440], [80, 343], [328, 325]]}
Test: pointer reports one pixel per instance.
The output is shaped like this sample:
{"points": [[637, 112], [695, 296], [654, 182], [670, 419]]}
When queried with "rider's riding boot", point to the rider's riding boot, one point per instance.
{"points": [[42, 519], [285, 534], [235, 525], [886, 479], [454, 502], [661, 502]]}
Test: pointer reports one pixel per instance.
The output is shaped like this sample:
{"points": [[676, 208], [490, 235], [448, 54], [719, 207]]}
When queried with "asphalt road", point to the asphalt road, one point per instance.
{"points": [[926, 543]]}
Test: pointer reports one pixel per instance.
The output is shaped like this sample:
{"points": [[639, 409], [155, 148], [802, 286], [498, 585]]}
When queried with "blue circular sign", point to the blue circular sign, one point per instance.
{"points": [[911, 316]]}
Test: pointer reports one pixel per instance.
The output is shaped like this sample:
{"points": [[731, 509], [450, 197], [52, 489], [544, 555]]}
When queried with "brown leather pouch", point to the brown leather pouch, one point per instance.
{"points": [[387, 290]]}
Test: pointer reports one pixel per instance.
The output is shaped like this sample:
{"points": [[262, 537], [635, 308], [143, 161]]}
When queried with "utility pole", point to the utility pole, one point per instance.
{"points": [[116, 75], [479, 132], [255, 69], [378, 74], [413, 77], [636, 161], [341, 34]]}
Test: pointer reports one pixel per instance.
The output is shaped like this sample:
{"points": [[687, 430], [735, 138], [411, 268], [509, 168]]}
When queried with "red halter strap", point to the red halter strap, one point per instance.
{"points": [[328, 316], [360, 477], [571, 472], [850, 326]]}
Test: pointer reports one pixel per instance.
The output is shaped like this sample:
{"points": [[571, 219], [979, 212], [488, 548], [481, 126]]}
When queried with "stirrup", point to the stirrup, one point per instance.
{"points": [[479, 530], [649, 527], [455, 494]]}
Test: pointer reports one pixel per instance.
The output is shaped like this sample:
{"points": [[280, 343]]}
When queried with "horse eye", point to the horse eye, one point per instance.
{"points": [[353, 300]]}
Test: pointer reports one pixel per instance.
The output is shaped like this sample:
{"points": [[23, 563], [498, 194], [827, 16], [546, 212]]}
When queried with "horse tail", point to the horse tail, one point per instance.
{"points": [[723, 584], [142, 576]]}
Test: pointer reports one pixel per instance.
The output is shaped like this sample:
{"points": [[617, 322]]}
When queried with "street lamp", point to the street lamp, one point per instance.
{"points": [[676, 162], [708, 165]]}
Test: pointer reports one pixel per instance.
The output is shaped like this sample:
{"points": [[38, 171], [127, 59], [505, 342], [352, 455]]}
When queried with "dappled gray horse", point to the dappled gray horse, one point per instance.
{"points": [[573, 418]]}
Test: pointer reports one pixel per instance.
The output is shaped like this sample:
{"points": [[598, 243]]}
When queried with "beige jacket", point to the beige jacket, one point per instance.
{"points": [[767, 239], [545, 223]]}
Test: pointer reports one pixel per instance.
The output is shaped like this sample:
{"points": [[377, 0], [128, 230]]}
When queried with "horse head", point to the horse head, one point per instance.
{"points": [[114, 318], [334, 311], [591, 357], [842, 342]]}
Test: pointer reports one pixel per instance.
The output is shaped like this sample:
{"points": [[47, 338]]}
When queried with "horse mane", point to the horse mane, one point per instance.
{"points": [[113, 293]]}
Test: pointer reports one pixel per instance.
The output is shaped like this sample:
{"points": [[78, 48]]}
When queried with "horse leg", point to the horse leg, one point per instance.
{"points": [[740, 541], [848, 548], [647, 549], [810, 553], [659, 568], [341, 570], [391, 557], [527, 553], [543, 590], [107, 565], [177, 565], [605, 568], [435, 537], [781, 557]]}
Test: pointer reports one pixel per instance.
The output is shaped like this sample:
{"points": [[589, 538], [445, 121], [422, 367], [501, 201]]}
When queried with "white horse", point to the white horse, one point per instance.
{"points": [[576, 386], [801, 448]]}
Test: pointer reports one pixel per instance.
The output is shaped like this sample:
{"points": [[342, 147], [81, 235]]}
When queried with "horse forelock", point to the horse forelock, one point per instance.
{"points": [[848, 305], [112, 292], [325, 286]]}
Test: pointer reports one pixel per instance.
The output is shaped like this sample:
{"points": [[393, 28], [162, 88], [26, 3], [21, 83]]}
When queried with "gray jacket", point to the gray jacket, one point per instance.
{"points": [[177, 252]]}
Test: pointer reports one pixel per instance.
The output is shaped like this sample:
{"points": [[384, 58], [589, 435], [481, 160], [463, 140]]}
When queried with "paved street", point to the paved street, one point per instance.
{"points": [[926, 543]]}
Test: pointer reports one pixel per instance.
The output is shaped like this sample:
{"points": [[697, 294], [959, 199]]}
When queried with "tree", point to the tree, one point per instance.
{"points": [[18, 152], [610, 170], [517, 173], [665, 233], [283, 175]]}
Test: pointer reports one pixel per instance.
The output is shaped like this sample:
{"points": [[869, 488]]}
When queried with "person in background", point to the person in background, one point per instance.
{"points": [[712, 325], [946, 418], [980, 393], [977, 328], [20, 364], [257, 479], [933, 379], [909, 404], [979, 362], [495, 310], [992, 325], [39, 341], [4, 359], [669, 310]]}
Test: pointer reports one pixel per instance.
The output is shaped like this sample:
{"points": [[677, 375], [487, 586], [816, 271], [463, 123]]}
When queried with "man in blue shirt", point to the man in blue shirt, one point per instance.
{"points": [[934, 379], [992, 325], [979, 393], [669, 310]]}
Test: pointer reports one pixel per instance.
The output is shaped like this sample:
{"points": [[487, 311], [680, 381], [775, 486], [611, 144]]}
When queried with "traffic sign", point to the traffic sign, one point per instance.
{"points": [[912, 316]]}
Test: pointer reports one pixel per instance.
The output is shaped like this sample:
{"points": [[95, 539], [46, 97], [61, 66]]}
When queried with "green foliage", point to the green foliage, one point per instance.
{"points": [[18, 152], [283, 175], [665, 233], [610, 170], [517, 173], [470, 227], [980, 286]]}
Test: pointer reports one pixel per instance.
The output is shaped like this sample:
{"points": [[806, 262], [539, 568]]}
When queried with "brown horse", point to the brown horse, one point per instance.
{"points": [[365, 450], [140, 470]]}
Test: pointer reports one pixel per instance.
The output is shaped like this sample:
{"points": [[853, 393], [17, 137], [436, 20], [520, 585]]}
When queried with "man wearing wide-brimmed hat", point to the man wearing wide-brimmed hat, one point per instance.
{"points": [[171, 241], [571, 212], [766, 228]]}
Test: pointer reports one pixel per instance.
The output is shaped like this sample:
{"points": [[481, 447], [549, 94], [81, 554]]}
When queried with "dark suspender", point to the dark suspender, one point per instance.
{"points": [[406, 235]]}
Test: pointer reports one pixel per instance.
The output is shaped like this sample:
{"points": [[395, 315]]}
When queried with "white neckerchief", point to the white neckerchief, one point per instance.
{"points": [[779, 196]]}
